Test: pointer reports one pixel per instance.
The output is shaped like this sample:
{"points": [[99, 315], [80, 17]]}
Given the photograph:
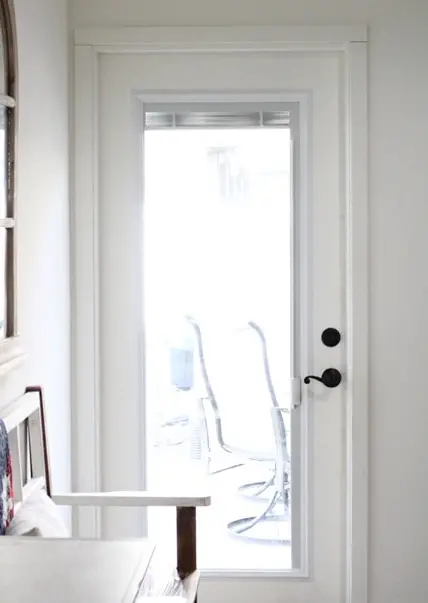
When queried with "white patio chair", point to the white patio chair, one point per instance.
{"points": [[249, 423]]}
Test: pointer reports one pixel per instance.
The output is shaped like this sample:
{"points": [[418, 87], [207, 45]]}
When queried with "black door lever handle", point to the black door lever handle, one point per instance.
{"points": [[331, 377]]}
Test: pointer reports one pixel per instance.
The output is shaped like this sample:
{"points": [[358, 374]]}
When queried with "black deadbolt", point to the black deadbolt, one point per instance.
{"points": [[330, 337]]}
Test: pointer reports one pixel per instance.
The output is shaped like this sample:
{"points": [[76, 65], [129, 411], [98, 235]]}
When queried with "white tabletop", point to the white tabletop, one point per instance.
{"points": [[71, 571]]}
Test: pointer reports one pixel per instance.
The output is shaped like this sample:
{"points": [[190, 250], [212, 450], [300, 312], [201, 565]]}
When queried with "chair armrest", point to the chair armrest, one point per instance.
{"points": [[130, 499]]}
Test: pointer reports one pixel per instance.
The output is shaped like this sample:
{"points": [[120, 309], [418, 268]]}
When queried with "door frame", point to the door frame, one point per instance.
{"points": [[351, 43]]}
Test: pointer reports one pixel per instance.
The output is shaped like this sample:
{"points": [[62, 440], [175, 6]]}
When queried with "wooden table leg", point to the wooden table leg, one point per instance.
{"points": [[186, 550], [186, 541]]}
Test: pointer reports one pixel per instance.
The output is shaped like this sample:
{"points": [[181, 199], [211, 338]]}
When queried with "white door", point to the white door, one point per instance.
{"points": [[308, 88]]}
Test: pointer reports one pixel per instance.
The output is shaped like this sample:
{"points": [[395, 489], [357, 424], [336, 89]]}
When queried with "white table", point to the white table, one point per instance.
{"points": [[71, 571]]}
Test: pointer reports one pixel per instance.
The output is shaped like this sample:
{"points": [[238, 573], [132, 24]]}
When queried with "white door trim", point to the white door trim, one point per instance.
{"points": [[175, 39], [89, 45]]}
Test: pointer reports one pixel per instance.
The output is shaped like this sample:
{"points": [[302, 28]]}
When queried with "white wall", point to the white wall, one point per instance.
{"points": [[43, 213], [399, 251]]}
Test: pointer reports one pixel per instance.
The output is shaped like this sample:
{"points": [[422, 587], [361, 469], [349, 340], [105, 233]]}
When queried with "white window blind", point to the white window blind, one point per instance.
{"points": [[164, 120]]}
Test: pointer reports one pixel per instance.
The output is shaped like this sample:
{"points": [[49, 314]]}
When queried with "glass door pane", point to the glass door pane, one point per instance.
{"points": [[218, 302]]}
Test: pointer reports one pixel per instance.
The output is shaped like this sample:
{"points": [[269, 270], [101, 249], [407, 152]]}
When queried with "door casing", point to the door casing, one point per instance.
{"points": [[351, 42]]}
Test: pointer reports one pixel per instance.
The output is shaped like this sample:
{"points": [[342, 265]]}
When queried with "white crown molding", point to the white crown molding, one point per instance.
{"points": [[205, 39]]}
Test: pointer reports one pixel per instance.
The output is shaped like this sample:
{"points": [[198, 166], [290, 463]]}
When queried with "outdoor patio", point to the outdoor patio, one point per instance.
{"points": [[219, 548], [192, 430]]}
